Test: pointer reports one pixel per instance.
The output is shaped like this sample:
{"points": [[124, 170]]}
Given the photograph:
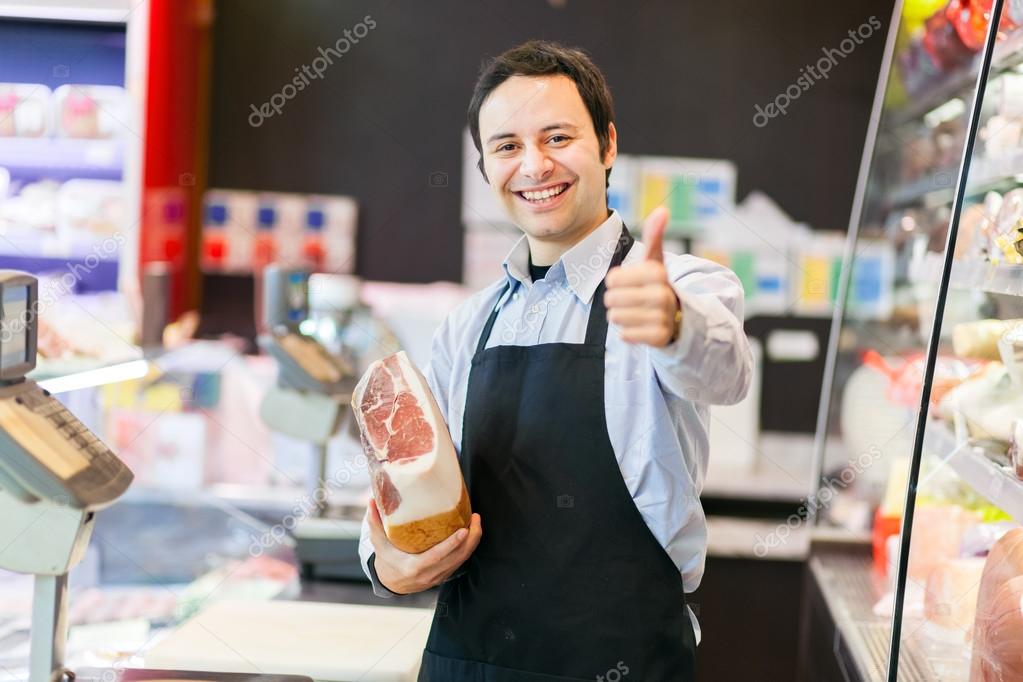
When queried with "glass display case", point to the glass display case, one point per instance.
{"points": [[922, 498]]}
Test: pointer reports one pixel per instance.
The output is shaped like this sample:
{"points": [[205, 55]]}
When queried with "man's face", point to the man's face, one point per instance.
{"points": [[542, 157]]}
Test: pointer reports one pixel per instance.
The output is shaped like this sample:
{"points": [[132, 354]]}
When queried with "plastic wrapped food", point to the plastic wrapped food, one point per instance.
{"points": [[979, 340], [23, 109], [998, 630], [951, 597], [985, 405], [937, 535], [417, 481]]}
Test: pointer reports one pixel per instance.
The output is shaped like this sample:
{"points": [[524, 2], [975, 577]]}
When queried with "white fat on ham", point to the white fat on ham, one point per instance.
{"points": [[413, 464]]}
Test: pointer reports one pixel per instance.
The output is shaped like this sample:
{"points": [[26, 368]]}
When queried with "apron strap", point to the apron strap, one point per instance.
{"points": [[596, 325], [489, 326]]}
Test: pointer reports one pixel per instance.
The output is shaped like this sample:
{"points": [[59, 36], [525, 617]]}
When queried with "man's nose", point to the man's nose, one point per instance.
{"points": [[536, 165]]}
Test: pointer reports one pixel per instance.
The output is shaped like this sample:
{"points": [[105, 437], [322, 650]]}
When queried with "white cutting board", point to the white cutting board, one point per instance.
{"points": [[328, 642]]}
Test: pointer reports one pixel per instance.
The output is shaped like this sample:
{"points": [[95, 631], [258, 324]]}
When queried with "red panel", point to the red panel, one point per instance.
{"points": [[178, 30]]}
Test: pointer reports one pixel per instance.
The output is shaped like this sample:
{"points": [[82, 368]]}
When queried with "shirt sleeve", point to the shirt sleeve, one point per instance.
{"points": [[437, 374], [711, 361]]}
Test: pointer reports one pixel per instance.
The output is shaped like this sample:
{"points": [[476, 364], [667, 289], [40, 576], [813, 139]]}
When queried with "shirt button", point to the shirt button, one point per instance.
{"points": [[535, 309], [515, 297]]}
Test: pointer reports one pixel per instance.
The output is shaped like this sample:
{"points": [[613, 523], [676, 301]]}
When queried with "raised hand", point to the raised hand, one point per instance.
{"points": [[639, 298]]}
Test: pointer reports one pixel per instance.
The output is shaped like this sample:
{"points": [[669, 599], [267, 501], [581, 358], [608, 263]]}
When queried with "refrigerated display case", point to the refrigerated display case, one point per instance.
{"points": [[917, 573]]}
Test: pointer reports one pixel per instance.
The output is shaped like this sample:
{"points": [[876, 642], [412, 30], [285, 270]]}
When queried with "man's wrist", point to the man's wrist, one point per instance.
{"points": [[371, 565]]}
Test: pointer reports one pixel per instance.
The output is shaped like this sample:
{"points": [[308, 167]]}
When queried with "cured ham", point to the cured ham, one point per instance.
{"points": [[417, 482]]}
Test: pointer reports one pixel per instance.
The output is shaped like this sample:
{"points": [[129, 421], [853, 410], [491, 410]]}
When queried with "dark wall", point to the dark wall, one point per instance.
{"points": [[388, 114]]}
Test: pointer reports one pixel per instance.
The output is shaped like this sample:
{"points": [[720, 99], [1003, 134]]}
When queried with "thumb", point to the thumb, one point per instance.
{"points": [[653, 234]]}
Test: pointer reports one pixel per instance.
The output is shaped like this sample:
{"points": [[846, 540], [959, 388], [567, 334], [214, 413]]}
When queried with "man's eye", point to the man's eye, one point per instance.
{"points": [[556, 139], [506, 147]]}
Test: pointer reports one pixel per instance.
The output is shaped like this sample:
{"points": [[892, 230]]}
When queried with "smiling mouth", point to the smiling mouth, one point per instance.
{"points": [[545, 196]]}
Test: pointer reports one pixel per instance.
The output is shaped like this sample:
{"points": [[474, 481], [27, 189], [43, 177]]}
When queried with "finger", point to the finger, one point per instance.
{"points": [[653, 234], [459, 556], [441, 550], [652, 335], [646, 272], [626, 296], [637, 317]]}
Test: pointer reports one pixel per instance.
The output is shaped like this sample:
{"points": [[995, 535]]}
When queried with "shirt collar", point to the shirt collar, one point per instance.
{"points": [[582, 267]]}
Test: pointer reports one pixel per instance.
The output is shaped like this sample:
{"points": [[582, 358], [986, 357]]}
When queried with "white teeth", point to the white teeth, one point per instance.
{"points": [[545, 194]]}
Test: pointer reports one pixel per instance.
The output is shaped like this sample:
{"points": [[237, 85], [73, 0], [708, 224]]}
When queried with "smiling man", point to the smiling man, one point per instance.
{"points": [[577, 389]]}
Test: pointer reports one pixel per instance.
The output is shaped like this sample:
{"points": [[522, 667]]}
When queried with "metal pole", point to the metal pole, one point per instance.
{"points": [[49, 628]]}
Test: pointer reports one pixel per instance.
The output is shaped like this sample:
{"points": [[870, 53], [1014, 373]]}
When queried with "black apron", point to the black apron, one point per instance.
{"points": [[568, 582]]}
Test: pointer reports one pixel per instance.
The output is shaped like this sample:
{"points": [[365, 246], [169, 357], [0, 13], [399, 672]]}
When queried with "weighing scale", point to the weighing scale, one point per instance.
{"points": [[55, 474], [310, 402]]}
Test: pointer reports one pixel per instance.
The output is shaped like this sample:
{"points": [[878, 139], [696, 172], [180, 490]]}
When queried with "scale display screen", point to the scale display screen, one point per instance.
{"points": [[14, 327]]}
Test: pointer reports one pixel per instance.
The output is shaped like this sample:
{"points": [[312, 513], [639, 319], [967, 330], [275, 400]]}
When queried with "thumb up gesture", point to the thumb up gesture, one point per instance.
{"points": [[639, 298]]}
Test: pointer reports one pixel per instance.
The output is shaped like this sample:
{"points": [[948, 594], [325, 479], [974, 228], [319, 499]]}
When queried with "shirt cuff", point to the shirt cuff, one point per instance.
{"points": [[691, 324], [379, 589]]}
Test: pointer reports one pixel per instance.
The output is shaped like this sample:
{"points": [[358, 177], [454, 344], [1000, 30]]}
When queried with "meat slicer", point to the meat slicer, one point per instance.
{"points": [[310, 402]]}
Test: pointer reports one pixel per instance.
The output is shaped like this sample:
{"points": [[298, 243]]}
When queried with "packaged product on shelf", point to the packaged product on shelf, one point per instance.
{"points": [[33, 209], [1010, 244], [229, 223], [338, 233], [97, 112], [978, 230], [1006, 228], [950, 598], [1016, 448], [944, 43], [91, 209], [980, 340], [24, 109], [938, 532], [280, 221], [983, 407]]}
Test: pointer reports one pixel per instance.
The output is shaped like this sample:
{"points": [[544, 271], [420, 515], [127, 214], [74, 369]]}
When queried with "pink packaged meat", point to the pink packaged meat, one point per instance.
{"points": [[998, 630], [417, 481]]}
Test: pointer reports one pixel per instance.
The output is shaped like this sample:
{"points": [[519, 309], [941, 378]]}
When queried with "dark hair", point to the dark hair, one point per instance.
{"points": [[544, 58]]}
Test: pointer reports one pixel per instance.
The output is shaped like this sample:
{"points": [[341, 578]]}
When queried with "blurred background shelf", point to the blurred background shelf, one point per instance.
{"points": [[994, 278], [1007, 54], [62, 158]]}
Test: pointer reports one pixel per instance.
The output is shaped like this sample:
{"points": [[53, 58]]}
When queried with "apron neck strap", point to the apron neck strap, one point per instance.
{"points": [[596, 326]]}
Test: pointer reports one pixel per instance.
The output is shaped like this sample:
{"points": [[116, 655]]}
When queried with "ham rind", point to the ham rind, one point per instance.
{"points": [[417, 482]]}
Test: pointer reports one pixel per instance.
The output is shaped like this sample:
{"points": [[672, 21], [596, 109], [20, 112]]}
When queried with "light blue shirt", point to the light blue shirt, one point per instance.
{"points": [[656, 399]]}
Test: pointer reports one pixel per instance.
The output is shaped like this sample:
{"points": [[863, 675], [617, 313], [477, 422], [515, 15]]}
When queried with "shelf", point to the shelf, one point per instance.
{"points": [[986, 174], [862, 639], [994, 278], [1007, 54], [29, 158], [995, 482]]}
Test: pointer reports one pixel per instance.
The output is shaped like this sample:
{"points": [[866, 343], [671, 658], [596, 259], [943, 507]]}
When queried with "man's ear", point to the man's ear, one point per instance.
{"points": [[483, 171], [612, 146]]}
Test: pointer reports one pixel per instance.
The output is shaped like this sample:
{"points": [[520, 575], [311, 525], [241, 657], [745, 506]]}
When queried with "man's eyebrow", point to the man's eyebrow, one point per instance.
{"points": [[547, 128]]}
